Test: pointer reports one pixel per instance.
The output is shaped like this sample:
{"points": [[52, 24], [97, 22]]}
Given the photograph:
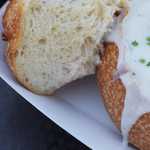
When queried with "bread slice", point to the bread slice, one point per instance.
{"points": [[53, 42], [113, 93]]}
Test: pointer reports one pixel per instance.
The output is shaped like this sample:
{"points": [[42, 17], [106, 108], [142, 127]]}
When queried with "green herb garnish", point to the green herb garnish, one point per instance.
{"points": [[135, 43], [142, 61], [148, 43], [148, 39], [148, 64]]}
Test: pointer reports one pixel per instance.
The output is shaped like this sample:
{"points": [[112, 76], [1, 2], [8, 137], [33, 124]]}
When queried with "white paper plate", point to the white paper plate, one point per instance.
{"points": [[77, 108]]}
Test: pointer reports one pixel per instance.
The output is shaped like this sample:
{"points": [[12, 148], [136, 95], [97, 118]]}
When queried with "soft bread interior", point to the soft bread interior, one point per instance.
{"points": [[59, 41]]}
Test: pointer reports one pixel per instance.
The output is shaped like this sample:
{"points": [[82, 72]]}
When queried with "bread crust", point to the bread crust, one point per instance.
{"points": [[113, 93], [12, 30]]}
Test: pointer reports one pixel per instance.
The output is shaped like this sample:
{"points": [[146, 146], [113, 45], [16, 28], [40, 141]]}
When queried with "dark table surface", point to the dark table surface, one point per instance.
{"points": [[22, 127]]}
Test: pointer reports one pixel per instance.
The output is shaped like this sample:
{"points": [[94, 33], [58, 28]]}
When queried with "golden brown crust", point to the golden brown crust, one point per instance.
{"points": [[113, 93], [110, 89], [12, 30]]}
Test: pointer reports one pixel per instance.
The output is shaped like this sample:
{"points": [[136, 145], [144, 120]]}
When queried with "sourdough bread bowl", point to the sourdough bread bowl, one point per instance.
{"points": [[53, 42], [123, 75]]}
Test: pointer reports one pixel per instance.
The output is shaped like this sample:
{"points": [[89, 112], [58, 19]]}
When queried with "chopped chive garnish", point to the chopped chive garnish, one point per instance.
{"points": [[148, 39], [142, 61], [135, 43], [148, 64]]}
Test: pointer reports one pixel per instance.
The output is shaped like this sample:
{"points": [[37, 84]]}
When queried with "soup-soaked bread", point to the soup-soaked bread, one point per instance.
{"points": [[113, 92], [123, 75]]}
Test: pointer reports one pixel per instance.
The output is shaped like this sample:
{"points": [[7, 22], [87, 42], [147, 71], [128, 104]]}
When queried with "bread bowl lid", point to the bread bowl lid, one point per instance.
{"points": [[76, 108]]}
